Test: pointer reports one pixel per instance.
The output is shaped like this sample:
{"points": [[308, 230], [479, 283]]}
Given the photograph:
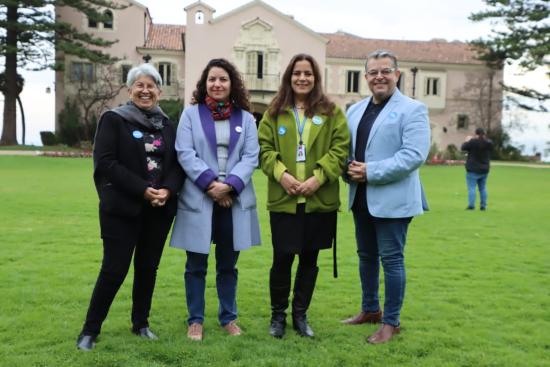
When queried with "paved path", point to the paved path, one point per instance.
{"points": [[519, 164], [20, 152]]}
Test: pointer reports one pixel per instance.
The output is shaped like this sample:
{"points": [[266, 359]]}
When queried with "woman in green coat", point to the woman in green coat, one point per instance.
{"points": [[304, 143]]}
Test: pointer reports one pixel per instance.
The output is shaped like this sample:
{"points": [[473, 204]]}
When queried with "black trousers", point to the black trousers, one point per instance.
{"points": [[142, 236], [282, 261]]}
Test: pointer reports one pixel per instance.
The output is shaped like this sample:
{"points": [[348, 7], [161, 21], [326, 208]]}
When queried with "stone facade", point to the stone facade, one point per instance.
{"points": [[459, 90]]}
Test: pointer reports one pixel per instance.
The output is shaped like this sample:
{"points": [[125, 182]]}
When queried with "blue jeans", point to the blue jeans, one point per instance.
{"points": [[381, 239], [480, 180], [226, 272]]}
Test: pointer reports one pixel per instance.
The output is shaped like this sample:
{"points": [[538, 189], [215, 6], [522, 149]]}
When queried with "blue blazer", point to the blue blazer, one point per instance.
{"points": [[197, 154], [398, 144]]}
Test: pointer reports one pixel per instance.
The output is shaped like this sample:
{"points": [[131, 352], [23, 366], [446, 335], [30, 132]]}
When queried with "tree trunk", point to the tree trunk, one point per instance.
{"points": [[9, 132], [490, 102], [22, 119]]}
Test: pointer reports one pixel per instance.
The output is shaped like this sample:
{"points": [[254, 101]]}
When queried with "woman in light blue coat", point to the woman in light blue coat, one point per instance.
{"points": [[217, 146]]}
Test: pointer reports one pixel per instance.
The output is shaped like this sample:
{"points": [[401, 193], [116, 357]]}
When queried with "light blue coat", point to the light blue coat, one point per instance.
{"points": [[398, 144], [197, 154]]}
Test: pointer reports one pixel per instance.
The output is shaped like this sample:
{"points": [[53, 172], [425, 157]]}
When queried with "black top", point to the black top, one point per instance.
{"points": [[363, 131], [479, 151], [121, 172]]}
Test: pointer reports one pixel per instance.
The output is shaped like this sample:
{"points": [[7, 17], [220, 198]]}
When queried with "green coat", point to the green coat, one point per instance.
{"points": [[327, 150]]}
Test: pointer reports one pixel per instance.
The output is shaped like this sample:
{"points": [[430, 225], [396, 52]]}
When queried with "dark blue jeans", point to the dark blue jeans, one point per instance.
{"points": [[480, 180], [381, 239], [226, 272]]}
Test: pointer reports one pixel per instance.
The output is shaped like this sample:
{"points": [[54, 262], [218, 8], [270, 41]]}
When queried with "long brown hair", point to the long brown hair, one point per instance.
{"points": [[238, 95], [316, 102]]}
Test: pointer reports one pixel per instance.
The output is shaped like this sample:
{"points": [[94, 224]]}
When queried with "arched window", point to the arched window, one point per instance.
{"points": [[199, 17], [108, 22]]}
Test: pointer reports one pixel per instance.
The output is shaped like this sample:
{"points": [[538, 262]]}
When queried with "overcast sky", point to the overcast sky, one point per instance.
{"points": [[389, 19], [395, 19]]}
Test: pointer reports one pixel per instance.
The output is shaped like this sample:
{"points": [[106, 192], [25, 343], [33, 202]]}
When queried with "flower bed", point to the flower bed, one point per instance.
{"points": [[445, 162], [78, 154]]}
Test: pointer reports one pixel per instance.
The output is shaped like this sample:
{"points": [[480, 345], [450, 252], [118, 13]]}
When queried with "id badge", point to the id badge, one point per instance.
{"points": [[301, 153]]}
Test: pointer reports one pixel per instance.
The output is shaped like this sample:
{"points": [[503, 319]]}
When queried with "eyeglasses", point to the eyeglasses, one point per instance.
{"points": [[384, 72]]}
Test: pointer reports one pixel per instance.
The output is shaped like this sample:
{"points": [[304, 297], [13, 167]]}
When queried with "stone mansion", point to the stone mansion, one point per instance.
{"points": [[459, 90]]}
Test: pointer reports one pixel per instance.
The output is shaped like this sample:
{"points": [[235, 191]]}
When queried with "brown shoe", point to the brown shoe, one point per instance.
{"points": [[232, 328], [194, 332], [364, 317], [384, 334]]}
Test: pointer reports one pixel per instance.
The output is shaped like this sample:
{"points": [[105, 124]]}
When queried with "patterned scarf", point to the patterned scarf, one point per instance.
{"points": [[219, 110]]}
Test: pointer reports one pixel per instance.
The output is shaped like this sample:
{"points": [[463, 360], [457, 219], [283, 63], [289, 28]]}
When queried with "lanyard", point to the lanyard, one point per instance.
{"points": [[300, 125]]}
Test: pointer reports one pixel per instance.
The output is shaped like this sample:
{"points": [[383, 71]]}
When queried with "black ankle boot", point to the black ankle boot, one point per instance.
{"points": [[279, 290], [304, 285], [301, 326], [277, 328], [85, 342]]}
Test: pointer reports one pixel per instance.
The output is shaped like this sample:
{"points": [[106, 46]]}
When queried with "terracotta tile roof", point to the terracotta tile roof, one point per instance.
{"points": [[349, 46], [165, 37]]}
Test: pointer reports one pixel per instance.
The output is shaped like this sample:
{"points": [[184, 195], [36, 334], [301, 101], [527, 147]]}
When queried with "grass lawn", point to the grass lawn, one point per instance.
{"points": [[478, 291]]}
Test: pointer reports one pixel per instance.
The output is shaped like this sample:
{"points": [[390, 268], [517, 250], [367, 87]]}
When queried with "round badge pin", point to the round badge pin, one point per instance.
{"points": [[282, 130], [137, 134], [238, 129], [317, 120], [393, 115]]}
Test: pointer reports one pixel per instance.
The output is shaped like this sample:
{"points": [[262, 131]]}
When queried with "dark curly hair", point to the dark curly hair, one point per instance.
{"points": [[316, 102], [238, 94]]}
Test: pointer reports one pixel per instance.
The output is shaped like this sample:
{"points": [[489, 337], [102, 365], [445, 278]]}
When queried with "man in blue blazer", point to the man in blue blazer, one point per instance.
{"points": [[390, 140]]}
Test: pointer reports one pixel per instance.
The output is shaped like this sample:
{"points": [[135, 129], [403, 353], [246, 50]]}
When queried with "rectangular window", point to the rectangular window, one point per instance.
{"points": [[82, 72], [251, 62], [256, 64], [462, 122], [432, 86], [92, 23], [124, 72], [165, 71], [260, 69], [352, 85]]}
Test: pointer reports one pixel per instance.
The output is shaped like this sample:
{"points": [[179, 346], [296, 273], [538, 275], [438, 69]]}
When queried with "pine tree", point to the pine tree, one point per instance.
{"points": [[522, 34], [29, 32]]}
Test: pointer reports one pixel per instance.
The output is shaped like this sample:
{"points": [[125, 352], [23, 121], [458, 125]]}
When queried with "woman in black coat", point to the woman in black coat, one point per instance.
{"points": [[137, 177]]}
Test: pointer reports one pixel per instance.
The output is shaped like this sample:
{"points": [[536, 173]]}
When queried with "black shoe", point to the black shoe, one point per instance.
{"points": [[482, 209], [145, 333], [277, 328], [85, 342], [470, 208], [301, 326]]}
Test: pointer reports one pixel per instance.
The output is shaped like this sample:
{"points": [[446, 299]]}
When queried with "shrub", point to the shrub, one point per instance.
{"points": [[433, 153], [172, 108], [69, 124], [48, 138], [88, 134], [502, 148], [452, 153]]}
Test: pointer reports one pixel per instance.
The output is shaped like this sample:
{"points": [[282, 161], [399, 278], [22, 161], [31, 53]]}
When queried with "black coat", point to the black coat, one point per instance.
{"points": [[479, 153], [120, 166]]}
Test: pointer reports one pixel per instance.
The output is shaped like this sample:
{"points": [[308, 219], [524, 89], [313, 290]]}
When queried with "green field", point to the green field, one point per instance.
{"points": [[478, 291]]}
